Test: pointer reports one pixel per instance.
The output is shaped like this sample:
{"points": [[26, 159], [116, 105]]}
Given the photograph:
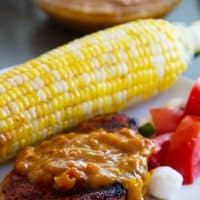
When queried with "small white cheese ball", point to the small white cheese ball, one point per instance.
{"points": [[165, 182]]}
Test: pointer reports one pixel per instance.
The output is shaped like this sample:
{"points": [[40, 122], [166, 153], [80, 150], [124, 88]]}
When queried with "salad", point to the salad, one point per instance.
{"points": [[175, 130]]}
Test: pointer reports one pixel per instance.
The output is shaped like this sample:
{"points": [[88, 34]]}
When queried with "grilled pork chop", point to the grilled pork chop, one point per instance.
{"points": [[18, 187], [15, 187]]}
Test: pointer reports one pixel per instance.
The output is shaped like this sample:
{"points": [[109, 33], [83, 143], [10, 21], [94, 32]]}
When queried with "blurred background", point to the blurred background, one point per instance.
{"points": [[26, 32]]}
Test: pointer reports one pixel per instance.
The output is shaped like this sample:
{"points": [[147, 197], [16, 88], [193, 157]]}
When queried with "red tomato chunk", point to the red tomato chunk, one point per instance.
{"points": [[193, 104], [183, 151], [162, 143], [165, 120]]}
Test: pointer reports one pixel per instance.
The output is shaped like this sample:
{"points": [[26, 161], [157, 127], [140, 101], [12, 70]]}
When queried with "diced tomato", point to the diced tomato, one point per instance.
{"points": [[161, 142], [193, 103], [183, 151], [165, 120]]}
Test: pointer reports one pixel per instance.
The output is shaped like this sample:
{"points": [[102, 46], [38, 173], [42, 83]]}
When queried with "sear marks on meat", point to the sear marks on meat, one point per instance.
{"points": [[16, 187], [109, 122]]}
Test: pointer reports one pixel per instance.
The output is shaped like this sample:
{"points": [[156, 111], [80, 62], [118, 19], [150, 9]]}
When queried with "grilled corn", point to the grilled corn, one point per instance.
{"points": [[99, 73]]}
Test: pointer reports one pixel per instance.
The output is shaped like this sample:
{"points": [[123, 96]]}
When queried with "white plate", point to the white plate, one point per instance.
{"points": [[180, 89]]}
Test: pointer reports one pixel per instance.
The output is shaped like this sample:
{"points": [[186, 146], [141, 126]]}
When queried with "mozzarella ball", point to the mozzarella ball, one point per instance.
{"points": [[165, 182]]}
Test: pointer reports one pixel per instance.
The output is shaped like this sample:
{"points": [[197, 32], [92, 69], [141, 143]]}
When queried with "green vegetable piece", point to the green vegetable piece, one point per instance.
{"points": [[147, 130]]}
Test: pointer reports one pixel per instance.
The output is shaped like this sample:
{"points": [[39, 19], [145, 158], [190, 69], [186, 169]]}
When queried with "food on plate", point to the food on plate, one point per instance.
{"points": [[109, 122], [107, 158], [158, 156], [90, 15], [165, 182], [183, 151], [192, 106], [96, 165], [178, 144], [165, 119], [146, 129], [100, 73], [179, 149]]}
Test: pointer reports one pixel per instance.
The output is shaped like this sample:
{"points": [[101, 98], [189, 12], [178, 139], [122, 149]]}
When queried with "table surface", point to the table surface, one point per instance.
{"points": [[26, 32]]}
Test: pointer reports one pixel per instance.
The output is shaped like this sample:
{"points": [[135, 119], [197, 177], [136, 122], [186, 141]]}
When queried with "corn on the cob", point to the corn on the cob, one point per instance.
{"points": [[99, 73]]}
